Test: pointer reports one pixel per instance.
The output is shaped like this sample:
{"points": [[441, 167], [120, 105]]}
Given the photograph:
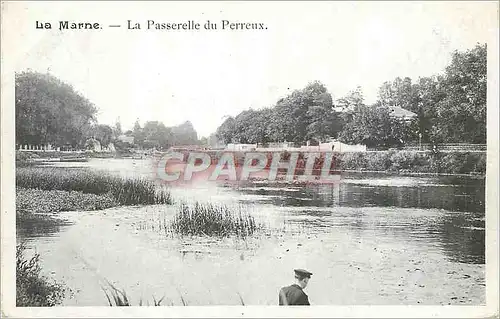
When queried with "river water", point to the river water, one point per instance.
{"points": [[368, 240]]}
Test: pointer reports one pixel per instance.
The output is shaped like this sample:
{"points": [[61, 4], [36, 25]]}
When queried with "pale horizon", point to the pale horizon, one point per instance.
{"points": [[158, 75]]}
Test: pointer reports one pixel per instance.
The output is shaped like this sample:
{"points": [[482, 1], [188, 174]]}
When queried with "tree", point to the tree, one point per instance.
{"points": [[451, 107], [354, 98], [461, 115], [302, 115], [373, 126], [103, 133], [428, 95], [226, 131], [117, 130], [50, 111], [184, 134], [156, 135], [400, 92], [138, 134]]}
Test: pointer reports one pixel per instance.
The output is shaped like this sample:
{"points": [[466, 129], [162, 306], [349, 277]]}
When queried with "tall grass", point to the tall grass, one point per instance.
{"points": [[125, 191], [118, 298], [33, 289], [212, 220]]}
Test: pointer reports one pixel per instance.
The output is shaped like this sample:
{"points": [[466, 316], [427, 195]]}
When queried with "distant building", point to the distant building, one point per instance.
{"points": [[278, 145], [331, 146], [241, 147], [126, 139], [401, 113], [337, 146], [178, 148]]}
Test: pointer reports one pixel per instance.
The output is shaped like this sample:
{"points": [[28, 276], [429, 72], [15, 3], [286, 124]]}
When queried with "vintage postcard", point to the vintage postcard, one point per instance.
{"points": [[249, 159]]}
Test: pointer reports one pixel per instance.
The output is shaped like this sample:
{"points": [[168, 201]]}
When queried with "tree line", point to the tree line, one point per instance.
{"points": [[49, 111], [450, 108]]}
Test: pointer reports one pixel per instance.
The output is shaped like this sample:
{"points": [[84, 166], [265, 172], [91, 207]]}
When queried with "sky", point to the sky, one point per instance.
{"points": [[204, 76]]}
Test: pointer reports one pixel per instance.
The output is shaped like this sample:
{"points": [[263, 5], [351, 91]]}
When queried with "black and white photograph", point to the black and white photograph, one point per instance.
{"points": [[249, 159]]}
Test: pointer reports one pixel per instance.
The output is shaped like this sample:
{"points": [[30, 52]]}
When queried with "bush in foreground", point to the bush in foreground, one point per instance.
{"points": [[33, 289], [125, 191], [212, 220]]}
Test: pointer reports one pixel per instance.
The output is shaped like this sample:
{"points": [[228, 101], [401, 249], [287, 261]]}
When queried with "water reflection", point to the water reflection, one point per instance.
{"points": [[464, 198], [448, 211], [39, 226]]}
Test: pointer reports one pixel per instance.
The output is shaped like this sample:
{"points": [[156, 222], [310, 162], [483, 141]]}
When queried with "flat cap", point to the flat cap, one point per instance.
{"points": [[302, 273]]}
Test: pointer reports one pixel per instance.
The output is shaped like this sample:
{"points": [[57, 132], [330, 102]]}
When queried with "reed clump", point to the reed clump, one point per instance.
{"points": [[213, 220], [126, 191]]}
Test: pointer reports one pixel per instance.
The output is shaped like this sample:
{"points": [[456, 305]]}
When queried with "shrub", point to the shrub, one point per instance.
{"points": [[212, 220], [409, 161], [463, 163], [354, 161], [379, 161], [33, 289], [480, 166]]}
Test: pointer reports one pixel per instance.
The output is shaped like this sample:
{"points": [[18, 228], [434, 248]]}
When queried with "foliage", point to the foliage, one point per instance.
{"points": [[212, 220], [49, 201], [123, 190], [33, 289], [351, 100], [103, 133], [461, 115], [412, 161], [210, 141], [302, 115], [118, 297], [25, 158], [462, 163], [225, 132], [50, 111], [156, 135], [184, 134], [373, 126], [451, 107]]}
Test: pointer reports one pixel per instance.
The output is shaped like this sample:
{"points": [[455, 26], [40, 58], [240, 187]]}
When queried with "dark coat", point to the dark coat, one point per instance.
{"points": [[293, 296]]}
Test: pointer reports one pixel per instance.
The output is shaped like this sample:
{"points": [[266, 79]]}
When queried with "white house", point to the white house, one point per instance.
{"points": [[337, 146], [126, 139], [241, 147], [400, 113]]}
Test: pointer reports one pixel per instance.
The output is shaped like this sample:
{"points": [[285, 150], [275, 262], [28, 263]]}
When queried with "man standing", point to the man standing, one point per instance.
{"points": [[294, 295]]}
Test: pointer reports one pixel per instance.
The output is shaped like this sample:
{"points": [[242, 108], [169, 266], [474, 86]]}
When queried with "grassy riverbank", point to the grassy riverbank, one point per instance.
{"points": [[40, 192], [390, 162], [414, 162], [124, 191]]}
